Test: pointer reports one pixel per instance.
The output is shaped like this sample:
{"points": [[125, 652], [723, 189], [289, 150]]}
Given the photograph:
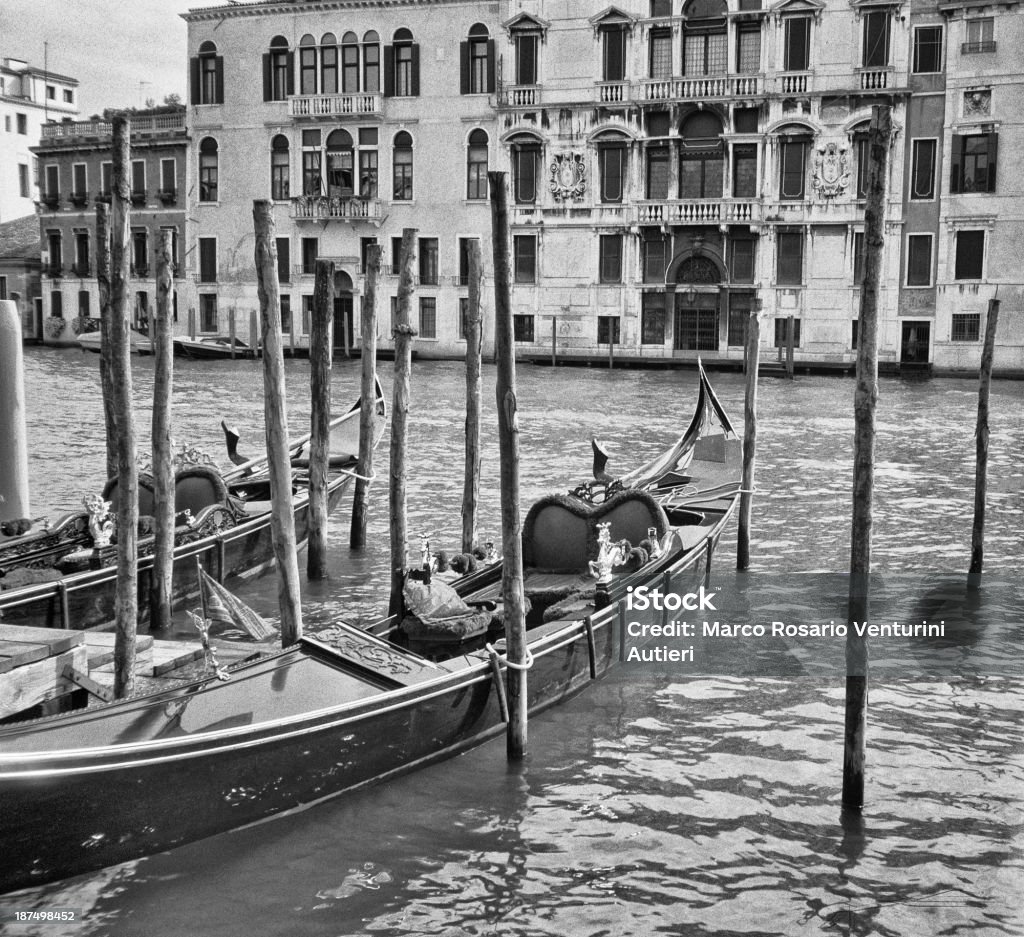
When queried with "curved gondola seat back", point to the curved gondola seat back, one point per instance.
{"points": [[560, 532], [195, 488]]}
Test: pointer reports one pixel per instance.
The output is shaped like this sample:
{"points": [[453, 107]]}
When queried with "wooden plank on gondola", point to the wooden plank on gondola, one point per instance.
{"points": [[15, 654], [56, 640], [26, 686]]}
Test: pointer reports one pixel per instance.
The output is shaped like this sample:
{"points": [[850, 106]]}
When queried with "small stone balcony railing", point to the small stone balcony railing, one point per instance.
{"points": [[794, 82], [698, 211], [335, 105], [520, 96], [613, 92], [875, 79], [701, 87], [152, 123], [332, 208]]}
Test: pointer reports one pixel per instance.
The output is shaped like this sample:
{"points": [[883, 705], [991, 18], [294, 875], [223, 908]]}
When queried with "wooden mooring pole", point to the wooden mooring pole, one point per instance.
{"points": [[282, 520], [508, 438], [790, 344], [161, 576], [103, 285], [750, 363], [865, 399], [403, 332], [474, 351], [232, 330], [368, 399], [254, 333], [981, 448], [126, 603], [320, 350]]}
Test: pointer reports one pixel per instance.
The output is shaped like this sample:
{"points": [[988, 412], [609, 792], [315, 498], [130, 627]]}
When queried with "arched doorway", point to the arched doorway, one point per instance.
{"points": [[699, 281], [342, 312]]}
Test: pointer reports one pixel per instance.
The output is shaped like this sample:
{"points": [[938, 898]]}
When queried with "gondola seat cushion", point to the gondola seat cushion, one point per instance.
{"points": [[437, 612], [198, 487], [560, 532]]}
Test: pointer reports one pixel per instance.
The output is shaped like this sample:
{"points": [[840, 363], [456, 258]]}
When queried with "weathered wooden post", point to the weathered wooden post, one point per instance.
{"points": [[161, 576], [126, 603], [751, 363], [232, 330], [554, 341], [368, 404], [103, 285], [508, 438], [282, 521], [320, 416], [865, 399], [474, 351], [254, 333], [790, 343], [192, 322], [403, 332], [981, 448], [14, 486]]}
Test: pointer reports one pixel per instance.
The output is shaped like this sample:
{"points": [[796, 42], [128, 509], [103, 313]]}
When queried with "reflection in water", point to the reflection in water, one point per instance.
{"points": [[682, 802]]}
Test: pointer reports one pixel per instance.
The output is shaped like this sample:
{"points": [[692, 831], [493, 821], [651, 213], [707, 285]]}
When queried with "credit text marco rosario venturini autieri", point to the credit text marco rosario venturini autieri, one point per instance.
{"points": [[643, 599]]}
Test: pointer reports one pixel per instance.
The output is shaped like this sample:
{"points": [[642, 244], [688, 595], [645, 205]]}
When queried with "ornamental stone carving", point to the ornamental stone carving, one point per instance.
{"points": [[831, 171], [568, 177]]}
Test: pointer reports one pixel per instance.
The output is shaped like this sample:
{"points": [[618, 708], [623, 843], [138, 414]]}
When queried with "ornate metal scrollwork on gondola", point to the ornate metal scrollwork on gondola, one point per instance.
{"points": [[597, 492]]}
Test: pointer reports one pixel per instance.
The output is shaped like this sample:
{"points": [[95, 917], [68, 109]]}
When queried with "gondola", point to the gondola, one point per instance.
{"points": [[346, 707], [58, 577]]}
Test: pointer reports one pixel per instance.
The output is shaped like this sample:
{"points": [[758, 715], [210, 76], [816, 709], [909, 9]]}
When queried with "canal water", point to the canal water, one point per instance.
{"points": [[682, 799]]}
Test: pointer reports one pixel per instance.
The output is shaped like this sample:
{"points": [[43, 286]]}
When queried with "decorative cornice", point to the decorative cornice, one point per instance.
{"points": [[287, 7]]}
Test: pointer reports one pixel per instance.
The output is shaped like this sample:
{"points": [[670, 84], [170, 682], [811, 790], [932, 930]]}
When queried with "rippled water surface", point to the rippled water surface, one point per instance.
{"points": [[674, 801]]}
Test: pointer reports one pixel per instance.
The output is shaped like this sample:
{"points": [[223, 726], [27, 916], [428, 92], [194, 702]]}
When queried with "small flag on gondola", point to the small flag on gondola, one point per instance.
{"points": [[222, 607]]}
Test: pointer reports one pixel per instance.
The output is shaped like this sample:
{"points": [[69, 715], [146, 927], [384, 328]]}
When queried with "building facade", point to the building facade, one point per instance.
{"points": [[671, 166], [29, 98], [75, 168], [19, 268]]}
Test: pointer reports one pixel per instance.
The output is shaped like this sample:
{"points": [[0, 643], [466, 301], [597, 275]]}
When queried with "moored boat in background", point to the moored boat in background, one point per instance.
{"points": [[211, 346]]}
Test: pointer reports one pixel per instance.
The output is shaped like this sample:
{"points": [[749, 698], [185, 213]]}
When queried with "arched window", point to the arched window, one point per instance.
{"points": [[612, 158], [862, 153], [350, 63], [402, 66], [401, 162], [704, 38], [279, 167], [794, 147], [278, 64], [526, 153], [208, 170], [207, 75], [371, 63], [340, 170], [328, 64], [477, 58], [702, 157], [307, 65], [476, 165]]}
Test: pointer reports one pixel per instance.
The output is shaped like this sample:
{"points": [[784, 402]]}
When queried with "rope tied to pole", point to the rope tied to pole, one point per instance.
{"points": [[496, 655], [363, 478]]}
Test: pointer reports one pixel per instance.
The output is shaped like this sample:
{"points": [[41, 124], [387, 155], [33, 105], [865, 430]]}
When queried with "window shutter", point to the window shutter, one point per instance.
{"points": [[490, 66], [219, 80], [993, 146], [291, 73], [463, 68], [956, 165], [389, 71], [415, 69], [193, 69], [268, 91]]}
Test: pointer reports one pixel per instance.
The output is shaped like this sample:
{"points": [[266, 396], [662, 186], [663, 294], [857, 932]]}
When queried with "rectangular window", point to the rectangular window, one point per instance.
{"points": [[858, 258], [396, 256], [311, 176], [657, 173], [748, 48], [83, 304], [349, 69], [22, 121], [970, 255], [401, 165], [792, 154], [168, 176], [79, 189], [525, 258], [607, 330], [696, 329], [980, 32], [57, 304], [744, 172], [207, 312], [613, 54], [364, 252], [464, 261], [655, 259], [82, 253], [661, 53], [106, 178], [973, 163], [704, 53], [611, 258], [522, 328], [524, 168], [927, 50], [526, 58], [307, 312], [781, 326], [367, 173], [286, 313], [463, 317], [69, 96], [876, 39], [739, 315], [700, 174], [854, 334], [922, 171], [613, 172], [371, 68], [207, 260], [23, 180], [789, 269], [919, 260], [53, 243], [3, 287], [741, 260], [966, 327], [307, 71], [428, 317], [310, 251], [652, 319], [862, 148], [52, 182], [797, 57], [478, 66], [140, 253], [428, 261], [138, 178], [284, 260]]}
